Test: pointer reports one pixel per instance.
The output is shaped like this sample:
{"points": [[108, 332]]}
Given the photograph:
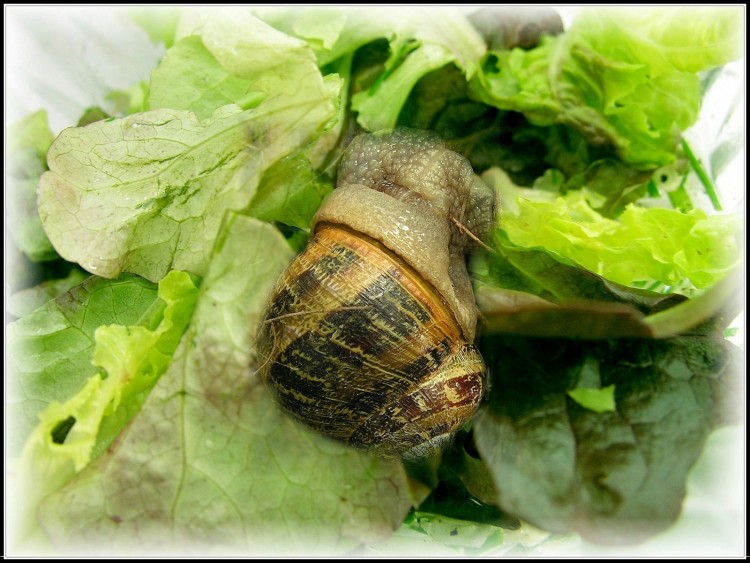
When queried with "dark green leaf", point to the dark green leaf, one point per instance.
{"points": [[616, 477], [465, 490]]}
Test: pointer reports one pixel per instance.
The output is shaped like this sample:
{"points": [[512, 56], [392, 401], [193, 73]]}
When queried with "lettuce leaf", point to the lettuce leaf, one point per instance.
{"points": [[597, 399], [439, 39], [335, 32], [30, 138], [74, 431], [624, 79], [50, 349], [210, 463], [379, 107], [615, 477], [207, 87], [146, 194], [290, 192], [419, 40], [27, 300], [332, 33], [644, 248]]}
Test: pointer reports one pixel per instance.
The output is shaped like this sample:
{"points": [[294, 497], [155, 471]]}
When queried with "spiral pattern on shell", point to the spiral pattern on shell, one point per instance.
{"points": [[368, 335]]}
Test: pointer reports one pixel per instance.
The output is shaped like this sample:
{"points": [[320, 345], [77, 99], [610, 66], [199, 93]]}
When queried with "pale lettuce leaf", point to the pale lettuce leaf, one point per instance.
{"points": [[29, 140], [335, 32], [210, 462], [146, 194], [189, 77]]}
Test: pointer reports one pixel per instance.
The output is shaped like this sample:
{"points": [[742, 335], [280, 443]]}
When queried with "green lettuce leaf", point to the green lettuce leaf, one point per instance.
{"points": [[189, 77], [691, 39], [210, 463], [72, 433], [290, 192], [597, 399], [379, 107], [146, 194], [644, 248], [624, 84], [27, 160], [51, 348], [134, 358], [439, 39], [419, 41], [25, 301]]}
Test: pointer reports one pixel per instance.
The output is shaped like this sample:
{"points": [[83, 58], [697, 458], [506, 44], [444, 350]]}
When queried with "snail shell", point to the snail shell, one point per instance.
{"points": [[368, 337]]}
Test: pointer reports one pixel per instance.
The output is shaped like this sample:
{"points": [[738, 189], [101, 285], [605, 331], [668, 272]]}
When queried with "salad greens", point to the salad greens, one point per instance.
{"points": [[152, 188], [624, 79], [223, 467], [150, 235]]}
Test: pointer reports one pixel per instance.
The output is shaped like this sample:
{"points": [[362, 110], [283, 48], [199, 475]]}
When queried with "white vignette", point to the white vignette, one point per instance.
{"points": [[693, 535]]}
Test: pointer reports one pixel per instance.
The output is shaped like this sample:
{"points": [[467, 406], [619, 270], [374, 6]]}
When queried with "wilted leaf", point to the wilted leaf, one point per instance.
{"points": [[515, 312]]}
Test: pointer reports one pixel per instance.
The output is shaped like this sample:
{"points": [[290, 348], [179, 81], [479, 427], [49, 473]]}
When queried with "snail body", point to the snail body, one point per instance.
{"points": [[368, 336]]}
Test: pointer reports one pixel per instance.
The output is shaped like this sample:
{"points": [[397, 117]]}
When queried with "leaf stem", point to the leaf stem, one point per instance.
{"points": [[702, 176]]}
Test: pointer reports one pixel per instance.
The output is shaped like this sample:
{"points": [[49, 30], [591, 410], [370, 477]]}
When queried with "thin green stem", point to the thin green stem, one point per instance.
{"points": [[708, 185]]}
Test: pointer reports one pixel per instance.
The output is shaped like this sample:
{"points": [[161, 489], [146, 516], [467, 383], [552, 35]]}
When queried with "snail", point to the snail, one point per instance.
{"points": [[368, 338]]}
